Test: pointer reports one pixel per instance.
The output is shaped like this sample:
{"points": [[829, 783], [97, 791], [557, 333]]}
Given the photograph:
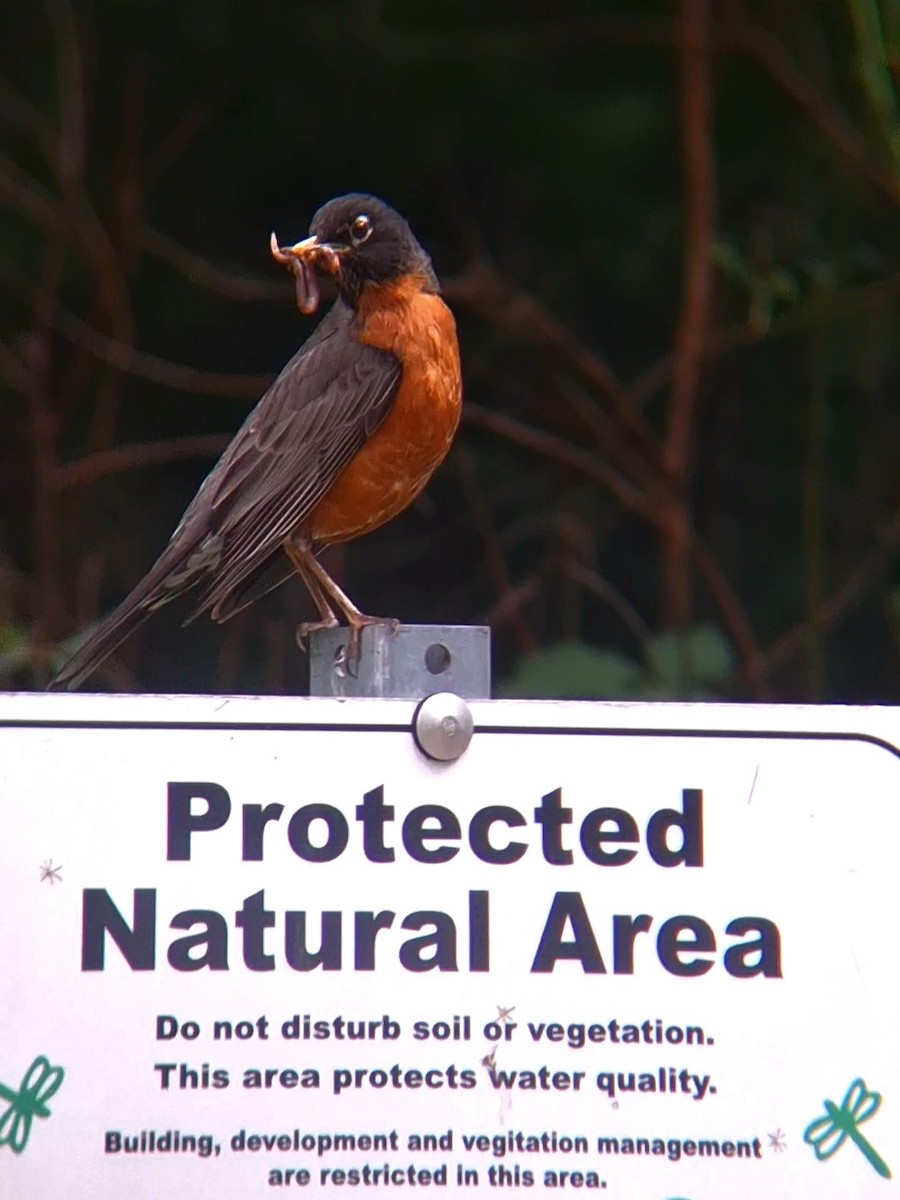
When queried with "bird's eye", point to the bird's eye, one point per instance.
{"points": [[361, 229]]}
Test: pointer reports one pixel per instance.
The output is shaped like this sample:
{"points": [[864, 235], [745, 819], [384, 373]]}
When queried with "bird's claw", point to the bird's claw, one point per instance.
{"points": [[348, 655], [307, 627], [354, 644]]}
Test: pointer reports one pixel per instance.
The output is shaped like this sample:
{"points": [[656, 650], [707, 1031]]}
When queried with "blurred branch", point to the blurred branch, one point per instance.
{"points": [[70, 79], [813, 486], [515, 39], [13, 369], [35, 201], [95, 466], [824, 307], [108, 279], [185, 131], [562, 452], [159, 370], [594, 582], [482, 291], [46, 516], [513, 602], [27, 119], [29, 197], [767, 52], [495, 559], [699, 204], [54, 214], [126, 205], [876, 79], [734, 618], [129, 195], [852, 590], [223, 283]]}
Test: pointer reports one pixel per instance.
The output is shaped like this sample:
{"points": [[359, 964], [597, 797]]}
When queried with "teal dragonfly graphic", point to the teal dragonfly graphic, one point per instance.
{"points": [[827, 1134], [40, 1082]]}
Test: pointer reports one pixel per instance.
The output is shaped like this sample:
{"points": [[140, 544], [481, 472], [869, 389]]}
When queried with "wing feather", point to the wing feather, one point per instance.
{"points": [[316, 416]]}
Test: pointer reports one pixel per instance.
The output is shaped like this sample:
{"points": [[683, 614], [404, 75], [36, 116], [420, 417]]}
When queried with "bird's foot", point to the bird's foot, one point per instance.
{"points": [[357, 623], [347, 659], [308, 627]]}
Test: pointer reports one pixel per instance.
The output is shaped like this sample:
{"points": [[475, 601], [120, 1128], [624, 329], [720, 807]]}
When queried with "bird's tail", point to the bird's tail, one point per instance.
{"points": [[98, 645], [175, 572]]}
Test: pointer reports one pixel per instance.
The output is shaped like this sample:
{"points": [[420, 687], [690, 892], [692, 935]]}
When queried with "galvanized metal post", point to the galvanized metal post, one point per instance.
{"points": [[410, 663]]}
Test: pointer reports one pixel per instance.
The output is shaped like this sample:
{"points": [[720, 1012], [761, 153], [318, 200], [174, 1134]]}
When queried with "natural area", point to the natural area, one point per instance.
{"points": [[670, 234]]}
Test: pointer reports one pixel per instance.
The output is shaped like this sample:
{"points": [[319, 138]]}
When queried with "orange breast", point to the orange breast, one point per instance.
{"points": [[401, 455]]}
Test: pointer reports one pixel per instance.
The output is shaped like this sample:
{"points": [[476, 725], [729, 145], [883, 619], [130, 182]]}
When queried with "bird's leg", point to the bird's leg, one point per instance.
{"points": [[300, 557], [331, 594]]}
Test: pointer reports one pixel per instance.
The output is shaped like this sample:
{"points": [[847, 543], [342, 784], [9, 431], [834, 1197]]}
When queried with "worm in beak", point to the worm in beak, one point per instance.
{"points": [[302, 260]]}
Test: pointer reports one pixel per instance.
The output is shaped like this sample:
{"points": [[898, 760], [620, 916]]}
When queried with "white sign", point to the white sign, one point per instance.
{"points": [[254, 947]]}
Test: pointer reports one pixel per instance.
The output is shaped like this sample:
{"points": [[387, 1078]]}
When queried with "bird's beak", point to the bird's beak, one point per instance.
{"points": [[303, 259]]}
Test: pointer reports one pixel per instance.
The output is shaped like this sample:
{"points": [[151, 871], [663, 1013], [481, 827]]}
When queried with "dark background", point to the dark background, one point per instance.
{"points": [[670, 237]]}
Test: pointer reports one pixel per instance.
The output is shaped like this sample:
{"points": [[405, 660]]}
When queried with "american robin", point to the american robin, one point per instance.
{"points": [[344, 439]]}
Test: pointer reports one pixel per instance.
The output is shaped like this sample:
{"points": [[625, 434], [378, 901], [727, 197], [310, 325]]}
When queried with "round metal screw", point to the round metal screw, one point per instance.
{"points": [[443, 726]]}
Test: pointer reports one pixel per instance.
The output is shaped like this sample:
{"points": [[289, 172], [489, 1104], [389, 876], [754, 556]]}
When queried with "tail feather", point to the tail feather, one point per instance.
{"points": [[175, 572], [99, 645]]}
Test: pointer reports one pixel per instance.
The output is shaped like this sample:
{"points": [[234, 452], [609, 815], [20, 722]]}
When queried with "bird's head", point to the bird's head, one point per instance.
{"points": [[359, 240]]}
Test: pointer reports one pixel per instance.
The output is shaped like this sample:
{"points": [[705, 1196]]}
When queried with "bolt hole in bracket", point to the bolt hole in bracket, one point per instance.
{"points": [[437, 658]]}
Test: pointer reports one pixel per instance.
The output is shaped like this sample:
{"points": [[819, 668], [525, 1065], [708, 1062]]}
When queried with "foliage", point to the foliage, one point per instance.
{"points": [[685, 665]]}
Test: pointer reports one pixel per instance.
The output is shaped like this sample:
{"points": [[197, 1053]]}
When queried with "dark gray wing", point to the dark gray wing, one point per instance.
{"points": [[314, 418]]}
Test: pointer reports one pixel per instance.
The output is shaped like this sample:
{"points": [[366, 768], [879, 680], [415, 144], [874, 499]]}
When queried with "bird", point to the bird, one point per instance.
{"points": [[345, 438]]}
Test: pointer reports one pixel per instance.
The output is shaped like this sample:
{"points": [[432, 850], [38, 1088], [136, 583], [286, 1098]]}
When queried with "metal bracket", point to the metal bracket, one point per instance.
{"points": [[410, 663]]}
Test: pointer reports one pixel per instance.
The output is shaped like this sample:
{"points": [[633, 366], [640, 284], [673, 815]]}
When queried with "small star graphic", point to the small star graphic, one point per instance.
{"points": [[777, 1141], [504, 1014], [51, 873], [488, 1060]]}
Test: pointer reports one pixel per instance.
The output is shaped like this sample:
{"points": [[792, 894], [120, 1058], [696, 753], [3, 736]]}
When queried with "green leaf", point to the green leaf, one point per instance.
{"points": [[783, 285], [15, 649], [574, 671], [731, 263], [699, 655]]}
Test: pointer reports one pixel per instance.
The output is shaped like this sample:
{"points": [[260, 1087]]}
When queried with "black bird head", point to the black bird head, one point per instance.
{"points": [[359, 240]]}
